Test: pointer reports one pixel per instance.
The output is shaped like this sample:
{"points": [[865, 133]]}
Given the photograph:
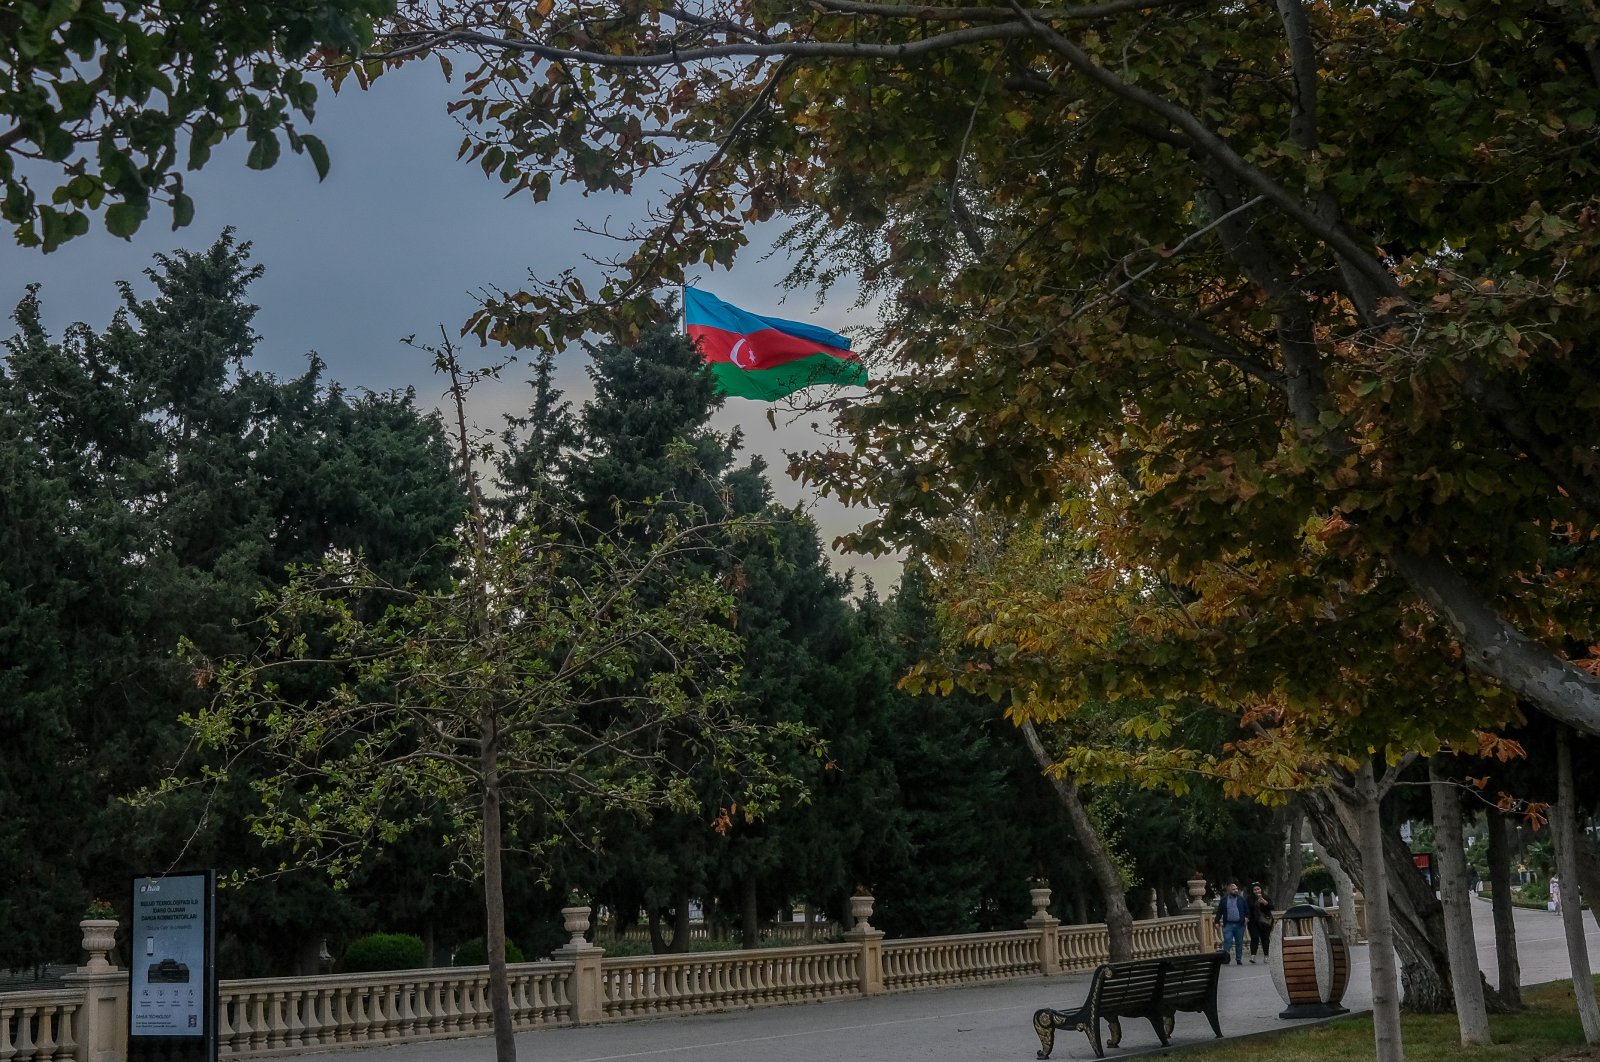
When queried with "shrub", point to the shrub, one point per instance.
{"points": [[384, 951], [475, 953], [1316, 878]]}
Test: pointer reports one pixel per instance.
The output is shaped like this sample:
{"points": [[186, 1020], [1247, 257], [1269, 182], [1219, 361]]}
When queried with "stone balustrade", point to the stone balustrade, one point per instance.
{"points": [[275, 1015], [637, 986], [39, 1026], [86, 1020], [927, 962]]}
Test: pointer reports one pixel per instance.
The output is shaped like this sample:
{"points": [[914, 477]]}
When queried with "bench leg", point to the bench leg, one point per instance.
{"points": [[1211, 1016], [1044, 1025], [1116, 1033], [1162, 1024]]}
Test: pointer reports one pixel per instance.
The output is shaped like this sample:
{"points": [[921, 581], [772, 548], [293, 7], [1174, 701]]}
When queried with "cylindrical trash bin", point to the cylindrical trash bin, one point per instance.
{"points": [[1311, 964]]}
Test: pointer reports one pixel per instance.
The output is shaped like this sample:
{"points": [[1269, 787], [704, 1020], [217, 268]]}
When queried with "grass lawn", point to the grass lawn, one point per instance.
{"points": [[1548, 1029]]}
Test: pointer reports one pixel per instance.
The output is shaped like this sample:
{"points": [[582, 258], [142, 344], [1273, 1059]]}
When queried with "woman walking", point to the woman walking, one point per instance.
{"points": [[1260, 922]]}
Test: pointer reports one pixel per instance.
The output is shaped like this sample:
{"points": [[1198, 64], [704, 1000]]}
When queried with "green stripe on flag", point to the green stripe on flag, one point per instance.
{"points": [[786, 379]]}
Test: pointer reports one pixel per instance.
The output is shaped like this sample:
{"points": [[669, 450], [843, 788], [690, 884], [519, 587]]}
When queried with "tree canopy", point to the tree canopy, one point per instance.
{"points": [[1307, 276], [103, 106]]}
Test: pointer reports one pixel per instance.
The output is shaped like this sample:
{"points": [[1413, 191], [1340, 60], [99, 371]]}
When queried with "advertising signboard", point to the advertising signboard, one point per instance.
{"points": [[172, 1005]]}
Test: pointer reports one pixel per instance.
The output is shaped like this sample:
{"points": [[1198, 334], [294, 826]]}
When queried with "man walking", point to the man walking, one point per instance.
{"points": [[1233, 911]]}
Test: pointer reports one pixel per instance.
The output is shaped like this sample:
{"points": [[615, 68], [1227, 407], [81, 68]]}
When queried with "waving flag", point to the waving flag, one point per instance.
{"points": [[766, 357]]}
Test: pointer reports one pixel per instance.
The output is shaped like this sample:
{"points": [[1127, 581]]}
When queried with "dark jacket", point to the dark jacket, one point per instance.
{"points": [[1240, 909]]}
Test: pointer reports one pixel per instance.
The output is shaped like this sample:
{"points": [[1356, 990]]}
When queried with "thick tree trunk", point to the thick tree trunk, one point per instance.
{"points": [[1465, 978], [1284, 867], [1505, 925], [681, 921], [1345, 889], [494, 899], [1380, 931], [1563, 829], [1416, 917], [1288, 863], [747, 913], [658, 939], [1119, 923]]}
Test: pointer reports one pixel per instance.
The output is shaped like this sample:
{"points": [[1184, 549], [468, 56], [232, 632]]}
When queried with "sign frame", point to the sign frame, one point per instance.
{"points": [[173, 949]]}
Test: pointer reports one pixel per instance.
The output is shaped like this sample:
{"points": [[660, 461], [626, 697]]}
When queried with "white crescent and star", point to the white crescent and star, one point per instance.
{"points": [[743, 355]]}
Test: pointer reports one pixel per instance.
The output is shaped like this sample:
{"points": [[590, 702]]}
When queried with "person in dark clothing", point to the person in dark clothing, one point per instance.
{"points": [[1233, 912], [1260, 922]]}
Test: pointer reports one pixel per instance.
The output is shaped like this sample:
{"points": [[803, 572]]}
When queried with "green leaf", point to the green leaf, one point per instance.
{"points": [[264, 152], [123, 219], [319, 154], [182, 210]]}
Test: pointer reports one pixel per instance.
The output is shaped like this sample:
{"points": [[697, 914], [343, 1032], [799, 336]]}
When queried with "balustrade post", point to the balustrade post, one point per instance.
{"points": [[584, 988], [870, 941], [102, 1020], [1047, 927]]}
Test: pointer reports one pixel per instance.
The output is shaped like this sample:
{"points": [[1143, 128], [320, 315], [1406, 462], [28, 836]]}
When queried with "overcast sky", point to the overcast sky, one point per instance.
{"points": [[395, 242]]}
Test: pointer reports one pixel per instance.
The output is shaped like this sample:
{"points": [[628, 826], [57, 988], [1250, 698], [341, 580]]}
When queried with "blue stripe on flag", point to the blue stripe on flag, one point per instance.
{"points": [[701, 308]]}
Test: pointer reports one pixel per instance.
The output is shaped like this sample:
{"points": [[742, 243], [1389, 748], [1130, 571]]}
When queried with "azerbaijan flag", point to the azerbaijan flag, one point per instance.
{"points": [[766, 357]]}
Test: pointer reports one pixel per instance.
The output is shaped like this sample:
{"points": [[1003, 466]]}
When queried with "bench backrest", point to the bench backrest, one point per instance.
{"points": [[1127, 984], [1191, 978]]}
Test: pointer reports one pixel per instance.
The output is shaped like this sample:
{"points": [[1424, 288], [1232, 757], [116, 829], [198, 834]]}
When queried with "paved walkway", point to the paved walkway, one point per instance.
{"points": [[984, 1023]]}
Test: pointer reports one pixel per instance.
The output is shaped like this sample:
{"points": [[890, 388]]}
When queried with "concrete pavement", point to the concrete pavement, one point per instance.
{"points": [[982, 1023]]}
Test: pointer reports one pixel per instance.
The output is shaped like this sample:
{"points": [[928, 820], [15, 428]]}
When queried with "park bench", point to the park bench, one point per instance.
{"points": [[1154, 989]]}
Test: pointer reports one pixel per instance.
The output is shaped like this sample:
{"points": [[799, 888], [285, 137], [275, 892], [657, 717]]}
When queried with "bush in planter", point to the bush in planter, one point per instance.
{"points": [[475, 953], [1536, 891], [384, 951]]}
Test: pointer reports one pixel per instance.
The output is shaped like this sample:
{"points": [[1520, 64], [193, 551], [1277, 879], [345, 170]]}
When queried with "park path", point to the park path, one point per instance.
{"points": [[981, 1023]]}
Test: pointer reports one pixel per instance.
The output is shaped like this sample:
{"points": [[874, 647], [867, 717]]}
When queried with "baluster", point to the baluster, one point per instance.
{"points": [[328, 1016], [427, 1006], [558, 989], [539, 995], [294, 1020], [25, 1032], [450, 1012], [674, 994], [367, 1016], [242, 1030], [540, 986], [522, 1008], [276, 1026], [67, 1033], [383, 1011], [44, 1044], [343, 1014], [481, 1017], [402, 1020]]}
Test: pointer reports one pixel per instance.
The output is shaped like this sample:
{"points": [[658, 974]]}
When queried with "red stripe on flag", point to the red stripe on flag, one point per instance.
{"points": [[759, 350]]}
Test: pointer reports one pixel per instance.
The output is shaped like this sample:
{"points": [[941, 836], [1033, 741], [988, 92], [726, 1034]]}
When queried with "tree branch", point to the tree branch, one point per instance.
{"points": [[776, 50], [933, 13], [1492, 646], [1338, 240]]}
